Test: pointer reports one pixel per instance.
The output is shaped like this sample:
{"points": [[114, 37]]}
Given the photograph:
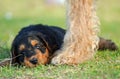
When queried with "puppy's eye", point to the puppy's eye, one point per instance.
{"points": [[37, 46], [41, 48]]}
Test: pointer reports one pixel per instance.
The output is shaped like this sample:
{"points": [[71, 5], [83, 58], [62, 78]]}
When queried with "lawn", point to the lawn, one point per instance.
{"points": [[20, 13]]}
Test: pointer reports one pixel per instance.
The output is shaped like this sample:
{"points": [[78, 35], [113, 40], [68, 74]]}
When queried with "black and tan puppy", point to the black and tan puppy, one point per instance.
{"points": [[36, 44]]}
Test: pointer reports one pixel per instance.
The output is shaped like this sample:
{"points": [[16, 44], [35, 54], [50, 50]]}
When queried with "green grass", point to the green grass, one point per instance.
{"points": [[105, 64]]}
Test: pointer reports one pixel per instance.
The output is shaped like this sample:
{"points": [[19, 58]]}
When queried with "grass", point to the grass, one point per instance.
{"points": [[105, 64]]}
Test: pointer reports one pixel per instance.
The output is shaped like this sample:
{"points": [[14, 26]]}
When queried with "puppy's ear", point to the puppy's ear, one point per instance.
{"points": [[44, 41], [41, 38]]}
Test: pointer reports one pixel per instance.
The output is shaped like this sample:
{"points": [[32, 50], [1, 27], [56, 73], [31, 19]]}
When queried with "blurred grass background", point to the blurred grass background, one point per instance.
{"points": [[15, 14]]}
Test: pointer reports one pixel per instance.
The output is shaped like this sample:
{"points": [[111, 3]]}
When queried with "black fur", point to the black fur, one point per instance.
{"points": [[48, 35]]}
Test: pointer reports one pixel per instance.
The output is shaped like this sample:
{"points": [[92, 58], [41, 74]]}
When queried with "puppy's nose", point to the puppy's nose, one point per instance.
{"points": [[34, 61]]}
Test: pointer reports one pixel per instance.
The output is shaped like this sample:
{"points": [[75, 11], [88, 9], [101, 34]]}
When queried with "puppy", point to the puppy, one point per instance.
{"points": [[36, 44]]}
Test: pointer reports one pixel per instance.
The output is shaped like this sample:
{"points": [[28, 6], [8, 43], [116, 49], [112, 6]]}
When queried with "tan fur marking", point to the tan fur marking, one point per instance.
{"points": [[42, 58], [34, 42], [22, 46]]}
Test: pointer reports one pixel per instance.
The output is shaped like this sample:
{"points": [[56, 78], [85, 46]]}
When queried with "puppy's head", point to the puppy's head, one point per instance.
{"points": [[32, 51]]}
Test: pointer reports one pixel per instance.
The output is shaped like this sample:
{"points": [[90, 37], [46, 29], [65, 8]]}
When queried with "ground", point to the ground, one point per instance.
{"points": [[16, 14]]}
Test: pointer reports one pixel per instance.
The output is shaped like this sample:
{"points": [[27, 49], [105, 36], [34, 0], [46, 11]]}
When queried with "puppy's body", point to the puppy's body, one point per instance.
{"points": [[52, 35], [36, 44]]}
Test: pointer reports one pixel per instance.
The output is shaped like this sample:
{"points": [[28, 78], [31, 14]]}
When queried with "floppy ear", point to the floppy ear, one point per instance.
{"points": [[42, 38]]}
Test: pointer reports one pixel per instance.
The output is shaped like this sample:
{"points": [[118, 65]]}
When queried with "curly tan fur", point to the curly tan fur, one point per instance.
{"points": [[81, 40]]}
